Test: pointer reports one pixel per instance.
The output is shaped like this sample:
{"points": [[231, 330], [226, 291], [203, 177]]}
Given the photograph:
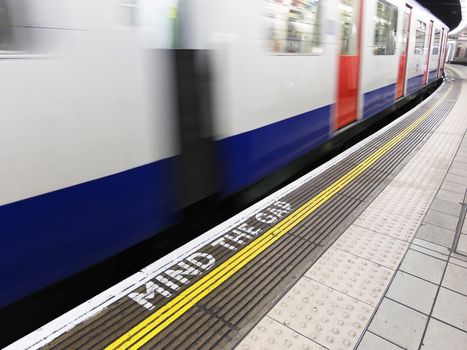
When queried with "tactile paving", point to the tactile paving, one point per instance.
{"points": [[373, 246], [269, 334], [412, 191], [396, 200], [424, 174], [399, 209], [354, 276], [426, 167], [323, 314], [390, 224]]}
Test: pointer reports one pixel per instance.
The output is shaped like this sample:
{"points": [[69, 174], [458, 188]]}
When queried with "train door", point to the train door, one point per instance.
{"points": [[193, 91], [440, 53], [428, 54], [401, 75], [445, 54], [349, 62]]}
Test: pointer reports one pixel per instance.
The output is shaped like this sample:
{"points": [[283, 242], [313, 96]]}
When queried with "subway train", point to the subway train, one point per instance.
{"points": [[457, 48], [117, 114]]}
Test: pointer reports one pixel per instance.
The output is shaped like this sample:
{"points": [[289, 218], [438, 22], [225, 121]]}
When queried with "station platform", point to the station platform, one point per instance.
{"points": [[368, 251]]}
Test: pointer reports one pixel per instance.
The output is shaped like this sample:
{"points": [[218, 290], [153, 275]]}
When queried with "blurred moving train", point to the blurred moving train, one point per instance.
{"points": [[457, 48], [116, 114]]}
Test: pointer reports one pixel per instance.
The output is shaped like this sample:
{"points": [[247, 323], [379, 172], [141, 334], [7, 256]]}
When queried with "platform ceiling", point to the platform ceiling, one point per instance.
{"points": [[449, 11]]}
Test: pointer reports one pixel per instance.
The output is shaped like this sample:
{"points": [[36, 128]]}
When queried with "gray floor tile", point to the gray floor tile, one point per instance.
{"points": [[440, 336], [454, 197], [432, 246], [435, 234], [457, 171], [458, 260], [424, 266], [371, 341], [461, 159], [453, 186], [462, 244], [459, 165], [462, 180], [387, 323], [441, 219], [451, 307], [446, 206], [413, 292], [456, 278], [429, 252]]}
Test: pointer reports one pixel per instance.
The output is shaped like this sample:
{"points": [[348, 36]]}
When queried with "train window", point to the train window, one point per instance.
{"points": [[385, 28], [5, 27], [420, 33], [293, 26], [436, 42], [458, 52], [349, 17], [129, 12]]}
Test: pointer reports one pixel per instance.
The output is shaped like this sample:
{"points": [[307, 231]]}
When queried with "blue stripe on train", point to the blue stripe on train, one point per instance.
{"points": [[414, 83], [377, 100], [250, 156], [48, 237], [432, 75]]}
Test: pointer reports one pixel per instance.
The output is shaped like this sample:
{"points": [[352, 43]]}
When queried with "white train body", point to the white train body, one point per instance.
{"points": [[89, 136]]}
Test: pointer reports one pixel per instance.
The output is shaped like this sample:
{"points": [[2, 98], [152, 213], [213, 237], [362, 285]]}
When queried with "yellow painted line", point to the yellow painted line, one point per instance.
{"points": [[163, 317]]}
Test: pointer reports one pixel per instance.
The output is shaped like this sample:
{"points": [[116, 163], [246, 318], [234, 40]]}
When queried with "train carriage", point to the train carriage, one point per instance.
{"points": [[117, 114], [457, 48]]}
